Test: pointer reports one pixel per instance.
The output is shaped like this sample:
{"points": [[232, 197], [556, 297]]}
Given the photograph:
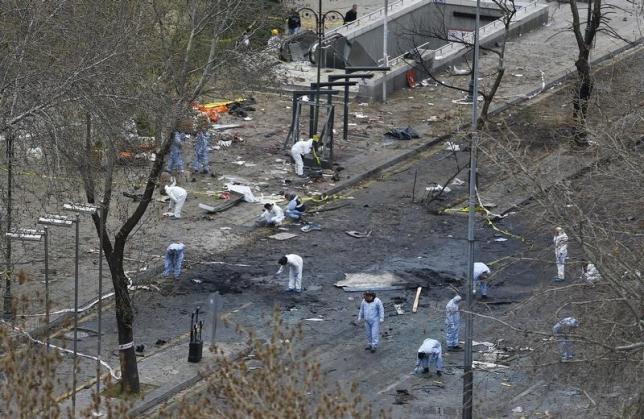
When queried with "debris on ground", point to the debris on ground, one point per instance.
{"points": [[311, 227], [372, 281], [438, 188], [282, 236], [450, 146], [231, 199], [402, 133], [359, 234], [457, 182]]}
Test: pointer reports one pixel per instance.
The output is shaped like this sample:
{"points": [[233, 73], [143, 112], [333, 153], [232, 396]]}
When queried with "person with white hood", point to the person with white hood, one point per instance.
{"points": [[561, 330], [561, 252], [373, 313], [177, 197], [479, 279], [298, 150], [429, 353], [173, 259], [452, 321], [295, 266], [272, 215]]}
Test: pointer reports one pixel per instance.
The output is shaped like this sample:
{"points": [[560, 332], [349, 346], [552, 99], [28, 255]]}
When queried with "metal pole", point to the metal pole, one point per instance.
{"points": [[8, 308], [100, 306], [468, 378], [385, 57], [345, 122], [320, 25], [75, 318], [46, 236]]}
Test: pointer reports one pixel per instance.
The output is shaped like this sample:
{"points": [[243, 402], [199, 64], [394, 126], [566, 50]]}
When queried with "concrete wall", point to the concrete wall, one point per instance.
{"points": [[450, 53], [418, 26]]}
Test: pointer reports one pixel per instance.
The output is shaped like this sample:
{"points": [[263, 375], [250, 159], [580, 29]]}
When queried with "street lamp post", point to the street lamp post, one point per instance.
{"points": [[320, 19], [55, 221], [77, 209]]}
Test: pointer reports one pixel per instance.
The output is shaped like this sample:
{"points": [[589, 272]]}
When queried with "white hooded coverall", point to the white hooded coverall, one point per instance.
{"points": [[295, 265], [299, 149], [177, 196], [561, 253], [432, 348], [373, 314], [274, 216]]}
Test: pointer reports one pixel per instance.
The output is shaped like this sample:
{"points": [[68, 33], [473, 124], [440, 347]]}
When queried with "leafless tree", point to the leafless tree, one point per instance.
{"points": [[508, 10], [74, 72]]}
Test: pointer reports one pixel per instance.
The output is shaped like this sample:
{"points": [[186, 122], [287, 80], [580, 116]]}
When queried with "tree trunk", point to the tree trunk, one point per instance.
{"points": [[583, 92], [124, 321]]}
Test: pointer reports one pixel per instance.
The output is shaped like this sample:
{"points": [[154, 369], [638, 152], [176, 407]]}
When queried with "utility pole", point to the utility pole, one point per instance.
{"points": [[385, 56], [468, 378], [8, 304]]}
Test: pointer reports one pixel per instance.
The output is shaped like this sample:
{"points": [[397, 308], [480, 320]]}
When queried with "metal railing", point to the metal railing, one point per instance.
{"points": [[468, 38], [376, 15]]}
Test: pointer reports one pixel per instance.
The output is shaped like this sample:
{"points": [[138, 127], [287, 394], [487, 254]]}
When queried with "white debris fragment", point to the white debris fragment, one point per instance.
{"points": [[450, 146], [438, 188], [458, 182]]}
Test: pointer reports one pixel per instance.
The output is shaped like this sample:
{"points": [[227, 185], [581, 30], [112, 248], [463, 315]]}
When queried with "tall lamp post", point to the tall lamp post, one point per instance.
{"points": [[320, 19], [77, 209], [54, 221]]}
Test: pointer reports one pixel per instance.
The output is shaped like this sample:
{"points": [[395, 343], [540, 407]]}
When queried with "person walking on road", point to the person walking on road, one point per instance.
{"points": [[429, 354], [295, 266], [479, 279], [373, 313], [452, 321], [561, 330], [561, 252]]}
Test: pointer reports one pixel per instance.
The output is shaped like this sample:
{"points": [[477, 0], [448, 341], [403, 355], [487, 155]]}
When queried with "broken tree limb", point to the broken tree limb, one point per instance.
{"points": [[415, 307], [345, 204]]}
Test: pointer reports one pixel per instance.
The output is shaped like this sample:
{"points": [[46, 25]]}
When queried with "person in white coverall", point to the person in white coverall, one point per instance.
{"points": [[299, 149], [272, 215], [452, 321], [479, 279], [429, 353], [177, 197], [561, 252], [373, 313], [295, 265]]}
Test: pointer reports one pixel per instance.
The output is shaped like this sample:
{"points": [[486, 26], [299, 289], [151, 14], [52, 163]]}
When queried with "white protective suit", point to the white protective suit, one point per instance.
{"points": [[373, 314], [177, 197], [299, 149], [295, 265], [434, 352], [274, 216], [591, 274], [479, 269], [561, 253]]}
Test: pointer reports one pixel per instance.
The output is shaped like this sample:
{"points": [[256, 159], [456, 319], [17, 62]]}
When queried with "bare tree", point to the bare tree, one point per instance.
{"points": [[75, 72], [507, 10]]}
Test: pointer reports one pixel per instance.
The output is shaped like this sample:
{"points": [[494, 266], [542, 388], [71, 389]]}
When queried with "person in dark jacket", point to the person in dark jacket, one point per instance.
{"points": [[351, 14], [293, 22]]}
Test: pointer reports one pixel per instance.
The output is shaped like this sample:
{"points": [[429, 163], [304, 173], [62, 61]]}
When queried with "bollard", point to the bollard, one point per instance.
{"points": [[195, 347]]}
